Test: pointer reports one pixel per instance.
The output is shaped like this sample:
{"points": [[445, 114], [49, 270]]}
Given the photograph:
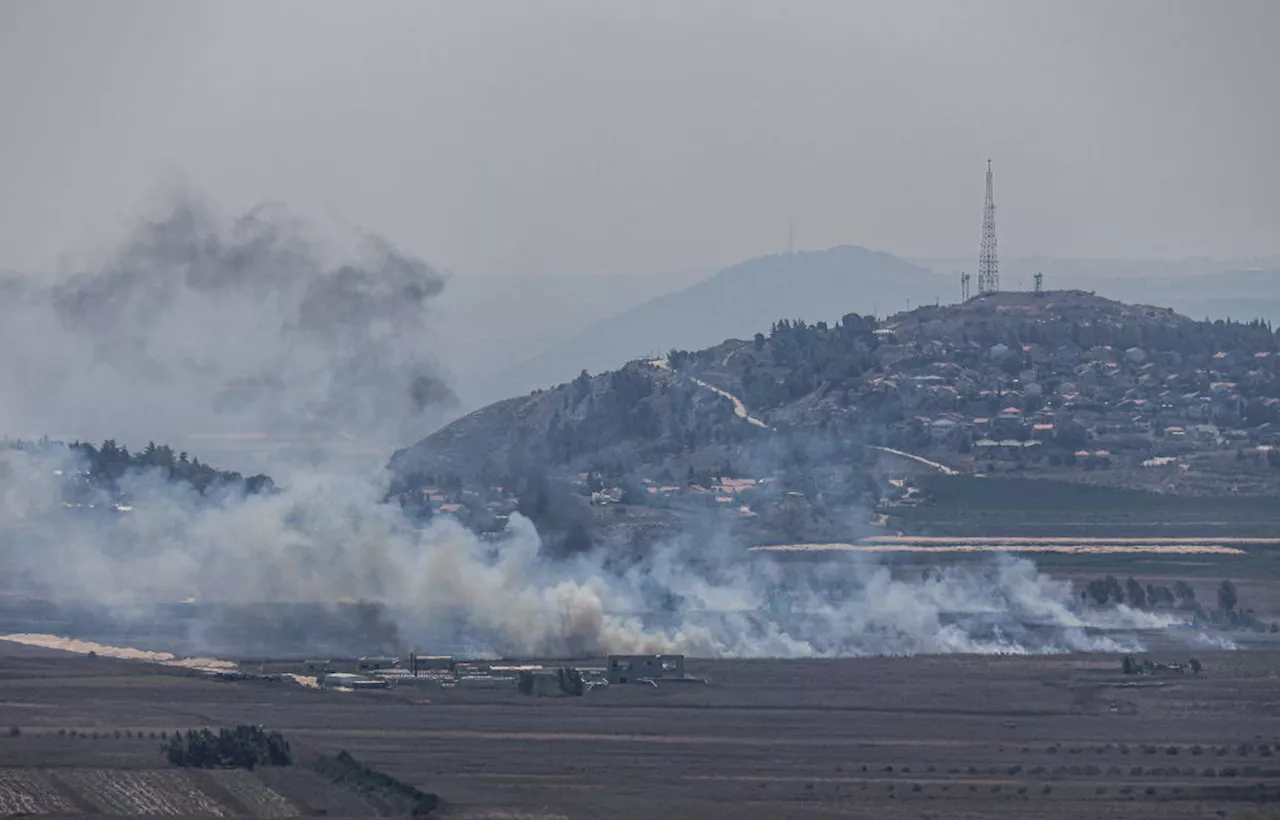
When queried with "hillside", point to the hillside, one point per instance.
{"points": [[829, 420], [736, 302]]}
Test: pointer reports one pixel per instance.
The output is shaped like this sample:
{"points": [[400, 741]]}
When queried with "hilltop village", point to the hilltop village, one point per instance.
{"points": [[788, 429]]}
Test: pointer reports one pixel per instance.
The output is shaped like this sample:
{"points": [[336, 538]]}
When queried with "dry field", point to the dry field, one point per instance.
{"points": [[942, 737]]}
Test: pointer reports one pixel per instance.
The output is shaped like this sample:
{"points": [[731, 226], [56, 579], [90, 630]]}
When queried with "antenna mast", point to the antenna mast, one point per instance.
{"points": [[988, 264]]}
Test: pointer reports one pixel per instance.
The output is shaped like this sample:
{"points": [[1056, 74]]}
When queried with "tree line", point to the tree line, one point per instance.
{"points": [[1228, 613], [108, 463], [244, 747]]}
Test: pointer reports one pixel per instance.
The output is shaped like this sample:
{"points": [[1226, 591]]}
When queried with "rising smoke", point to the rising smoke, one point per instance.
{"points": [[330, 538], [198, 323]]}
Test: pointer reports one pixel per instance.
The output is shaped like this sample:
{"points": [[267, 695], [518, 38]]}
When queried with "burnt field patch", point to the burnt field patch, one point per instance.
{"points": [[955, 736]]}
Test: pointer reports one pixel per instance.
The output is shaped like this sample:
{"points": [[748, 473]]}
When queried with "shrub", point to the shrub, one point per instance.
{"points": [[14, 731], [1047, 790], [1150, 791], [1135, 771], [1197, 750], [1172, 750]]}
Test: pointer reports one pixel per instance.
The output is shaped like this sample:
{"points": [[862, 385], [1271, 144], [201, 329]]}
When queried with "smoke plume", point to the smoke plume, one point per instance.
{"points": [[248, 326], [326, 539], [202, 325]]}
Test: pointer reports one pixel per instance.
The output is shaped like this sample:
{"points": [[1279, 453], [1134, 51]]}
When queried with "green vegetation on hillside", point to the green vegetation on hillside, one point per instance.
{"points": [[104, 466]]}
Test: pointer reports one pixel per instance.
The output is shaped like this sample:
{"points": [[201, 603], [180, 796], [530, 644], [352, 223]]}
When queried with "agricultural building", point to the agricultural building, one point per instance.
{"points": [[632, 668]]}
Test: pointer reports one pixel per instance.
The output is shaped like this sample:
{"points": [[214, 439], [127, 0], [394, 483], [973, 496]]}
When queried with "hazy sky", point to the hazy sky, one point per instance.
{"points": [[640, 136]]}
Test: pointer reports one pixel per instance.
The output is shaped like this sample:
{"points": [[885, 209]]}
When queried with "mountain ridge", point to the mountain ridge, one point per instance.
{"points": [[736, 301]]}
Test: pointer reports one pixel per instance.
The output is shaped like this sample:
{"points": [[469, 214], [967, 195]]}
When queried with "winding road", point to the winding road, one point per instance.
{"points": [[739, 409]]}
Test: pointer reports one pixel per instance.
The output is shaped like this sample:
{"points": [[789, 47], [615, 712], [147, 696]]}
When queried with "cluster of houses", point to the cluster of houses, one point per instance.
{"points": [[722, 492], [445, 672], [1087, 406]]}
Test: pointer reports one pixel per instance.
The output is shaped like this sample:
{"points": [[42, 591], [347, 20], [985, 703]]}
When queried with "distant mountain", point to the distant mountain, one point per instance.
{"points": [[486, 323], [735, 303], [1237, 294]]}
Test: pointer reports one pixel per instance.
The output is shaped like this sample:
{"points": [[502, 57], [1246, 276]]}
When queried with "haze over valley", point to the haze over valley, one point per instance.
{"points": [[575, 409]]}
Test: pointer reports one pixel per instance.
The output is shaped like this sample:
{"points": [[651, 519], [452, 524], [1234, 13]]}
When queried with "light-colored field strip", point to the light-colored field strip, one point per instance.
{"points": [[141, 793], [1069, 548], [1072, 540], [24, 791], [121, 652], [255, 795]]}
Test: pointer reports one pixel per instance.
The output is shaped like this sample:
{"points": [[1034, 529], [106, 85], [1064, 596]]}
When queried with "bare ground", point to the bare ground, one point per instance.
{"points": [[942, 737]]}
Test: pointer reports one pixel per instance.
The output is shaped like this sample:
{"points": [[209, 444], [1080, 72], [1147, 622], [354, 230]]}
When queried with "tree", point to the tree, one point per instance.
{"points": [[759, 341], [1195, 665], [1137, 596], [1130, 666], [1183, 591], [571, 682], [1227, 596]]}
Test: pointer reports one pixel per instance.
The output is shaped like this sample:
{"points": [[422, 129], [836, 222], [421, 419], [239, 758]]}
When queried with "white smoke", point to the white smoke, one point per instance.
{"points": [[199, 323], [328, 538]]}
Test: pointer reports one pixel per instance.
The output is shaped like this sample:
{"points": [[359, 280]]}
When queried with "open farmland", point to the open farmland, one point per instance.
{"points": [[1050, 736]]}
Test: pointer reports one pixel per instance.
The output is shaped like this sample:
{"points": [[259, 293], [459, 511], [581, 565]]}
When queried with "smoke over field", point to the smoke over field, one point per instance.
{"points": [[325, 539], [198, 323]]}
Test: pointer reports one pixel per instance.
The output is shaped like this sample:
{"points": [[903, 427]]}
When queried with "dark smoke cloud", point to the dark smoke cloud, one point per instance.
{"points": [[197, 324]]}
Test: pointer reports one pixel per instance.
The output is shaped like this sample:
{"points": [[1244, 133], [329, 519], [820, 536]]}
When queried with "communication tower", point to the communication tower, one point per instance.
{"points": [[988, 263]]}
